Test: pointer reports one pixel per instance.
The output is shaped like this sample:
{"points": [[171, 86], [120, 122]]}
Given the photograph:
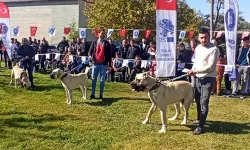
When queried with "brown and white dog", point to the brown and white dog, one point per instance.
{"points": [[20, 77]]}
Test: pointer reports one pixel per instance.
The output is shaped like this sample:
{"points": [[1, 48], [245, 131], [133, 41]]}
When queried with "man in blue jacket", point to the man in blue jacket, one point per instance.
{"points": [[25, 53]]}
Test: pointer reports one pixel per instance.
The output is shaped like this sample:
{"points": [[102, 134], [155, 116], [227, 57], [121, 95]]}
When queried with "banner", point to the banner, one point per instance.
{"points": [[5, 24], [110, 31], [52, 32], [82, 33], [166, 20], [231, 12], [15, 31], [182, 35], [136, 34]]}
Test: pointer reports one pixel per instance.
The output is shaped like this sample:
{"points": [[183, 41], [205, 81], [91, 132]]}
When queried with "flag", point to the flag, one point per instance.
{"points": [[33, 30], [123, 32], [82, 33], [110, 31], [15, 31], [5, 27], [96, 32], [147, 33], [244, 34], [136, 34], [166, 19], [67, 30], [231, 14], [1, 28], [52, 32], [191, 34], [182, 34]]}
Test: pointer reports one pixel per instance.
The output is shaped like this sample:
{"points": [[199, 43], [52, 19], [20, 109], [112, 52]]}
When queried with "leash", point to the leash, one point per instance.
{"points": [[171, 80]]}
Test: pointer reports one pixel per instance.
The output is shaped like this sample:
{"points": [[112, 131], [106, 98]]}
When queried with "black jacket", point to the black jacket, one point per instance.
{"points": [[107, 52], [123, 51], [61, 46], [144, 51], [25, 50], [132, 52]]}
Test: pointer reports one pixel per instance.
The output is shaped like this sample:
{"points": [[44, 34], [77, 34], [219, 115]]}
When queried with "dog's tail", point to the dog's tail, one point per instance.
{"points": [[87, 70]]}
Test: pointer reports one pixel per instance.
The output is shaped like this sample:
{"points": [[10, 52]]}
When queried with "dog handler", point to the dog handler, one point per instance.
{"points": [[204, 73], [100, 52]]}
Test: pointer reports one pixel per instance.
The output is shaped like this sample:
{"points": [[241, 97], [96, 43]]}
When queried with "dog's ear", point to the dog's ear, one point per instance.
{"points": [[146, 74]]}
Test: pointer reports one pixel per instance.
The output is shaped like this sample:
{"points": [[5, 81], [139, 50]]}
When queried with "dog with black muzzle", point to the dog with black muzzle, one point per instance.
{"points": [[71, 82], [162, 94], [20, 77]]}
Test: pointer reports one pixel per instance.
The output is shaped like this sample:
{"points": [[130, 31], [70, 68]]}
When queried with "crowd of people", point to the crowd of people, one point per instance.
{"points": [[135, 53]]}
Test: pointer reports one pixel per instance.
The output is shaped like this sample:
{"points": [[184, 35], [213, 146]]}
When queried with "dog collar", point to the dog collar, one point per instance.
{"points": [[65, 75], [155, 86]]}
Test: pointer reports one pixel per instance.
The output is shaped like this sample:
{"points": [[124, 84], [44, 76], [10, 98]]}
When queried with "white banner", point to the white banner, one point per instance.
{"points": [[82, 33], [231, 12], [136, 34], [182, 35], [52, 32], [166, 20], [110, 31], [15, 31], [5, 23]]}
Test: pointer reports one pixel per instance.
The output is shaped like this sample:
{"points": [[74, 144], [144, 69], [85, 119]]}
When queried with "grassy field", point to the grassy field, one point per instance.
{"points": [[40, 119]]}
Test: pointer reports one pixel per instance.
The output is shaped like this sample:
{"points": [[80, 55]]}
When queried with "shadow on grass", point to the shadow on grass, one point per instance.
{"points": [[40, 88], [28, 121], [221, 127], [110, 101]]}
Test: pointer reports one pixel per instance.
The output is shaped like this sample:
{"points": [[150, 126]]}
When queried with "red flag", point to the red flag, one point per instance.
{"points": [[96, 32], [244, 34], [1, 29], [67, 30], [219, 34], [123, 32], [33, 30], [191, 34], [147, 33]]}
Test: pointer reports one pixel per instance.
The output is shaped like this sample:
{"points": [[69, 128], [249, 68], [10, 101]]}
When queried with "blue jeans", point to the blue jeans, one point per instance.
{"points": [[29, 66], [96, 69]]}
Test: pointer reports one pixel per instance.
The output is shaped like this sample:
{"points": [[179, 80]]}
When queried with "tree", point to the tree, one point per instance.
{"points": [[74, 31], [135, 14]]}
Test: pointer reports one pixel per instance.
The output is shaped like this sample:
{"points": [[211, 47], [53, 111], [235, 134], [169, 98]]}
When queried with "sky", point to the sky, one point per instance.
{"points": [[205, 7]]}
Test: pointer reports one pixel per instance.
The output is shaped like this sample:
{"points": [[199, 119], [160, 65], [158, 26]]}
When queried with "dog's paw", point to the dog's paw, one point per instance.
{"points": [[84, 97], [145, 121], [171, 119], [162, 131], [69, 103], [183, 123]]}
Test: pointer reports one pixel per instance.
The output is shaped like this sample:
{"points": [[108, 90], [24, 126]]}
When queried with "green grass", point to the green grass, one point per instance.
{"points": [[40, 119]]}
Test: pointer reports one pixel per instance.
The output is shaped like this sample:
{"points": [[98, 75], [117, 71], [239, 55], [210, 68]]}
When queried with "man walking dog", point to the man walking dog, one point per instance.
{"points": [[204, 73]]}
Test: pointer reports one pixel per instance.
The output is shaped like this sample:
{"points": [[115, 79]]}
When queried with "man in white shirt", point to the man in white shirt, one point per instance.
{"points": [[204, 73]]}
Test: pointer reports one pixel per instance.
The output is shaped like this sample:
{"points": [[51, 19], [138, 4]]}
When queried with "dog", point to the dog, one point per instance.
{"points": [[71, 82], [162, 94], [20, 77]]}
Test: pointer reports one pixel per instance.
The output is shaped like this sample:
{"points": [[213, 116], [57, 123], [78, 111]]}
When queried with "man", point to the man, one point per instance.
{"points": [[61, 46], [100, 52], [85, 47], [133, 51], [30, 41], [204, 74], [123, 49], [242, 69], [43, 50], [144, 49], [113, 48], [24, 55]]}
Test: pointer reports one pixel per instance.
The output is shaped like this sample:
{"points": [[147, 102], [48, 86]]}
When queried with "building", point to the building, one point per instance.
{"points": [[45, 14]]}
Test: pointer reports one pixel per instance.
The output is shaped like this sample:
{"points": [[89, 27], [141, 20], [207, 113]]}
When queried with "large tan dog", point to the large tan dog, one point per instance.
{"points": [[20, 77], [71, 82], [163, 94]]}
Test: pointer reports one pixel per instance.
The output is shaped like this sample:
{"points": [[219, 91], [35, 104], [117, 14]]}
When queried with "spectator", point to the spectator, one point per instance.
{"points": [[241, 63], [220, 71], [117, 67], [133, 51], [113, 48], [30, 41], [123, 49], [85, 47], [5, 55], [73, 45], [153, 68], [61, 46], [25, 53], [136, 68], [144, 49], [43, 50], [100, 52]]}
